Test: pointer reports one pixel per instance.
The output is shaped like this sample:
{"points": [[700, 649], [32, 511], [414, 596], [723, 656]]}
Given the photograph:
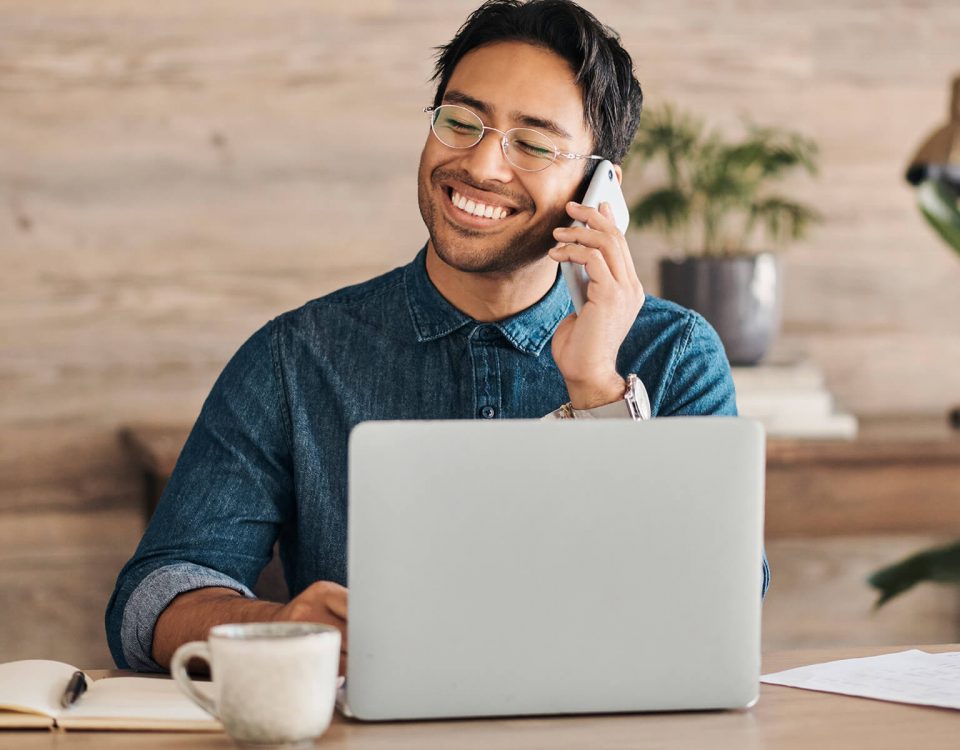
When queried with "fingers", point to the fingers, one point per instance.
{"points": [[601, 233], [337, 600], [600, 218], [590, 257], [322, 601]]}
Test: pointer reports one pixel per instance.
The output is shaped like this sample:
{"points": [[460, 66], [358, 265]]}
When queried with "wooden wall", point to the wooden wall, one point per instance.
{"points": [[174, 174]]}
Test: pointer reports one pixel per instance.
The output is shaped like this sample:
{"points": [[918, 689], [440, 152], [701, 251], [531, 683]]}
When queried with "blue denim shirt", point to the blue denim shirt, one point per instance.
{"points": [[267, 457]]}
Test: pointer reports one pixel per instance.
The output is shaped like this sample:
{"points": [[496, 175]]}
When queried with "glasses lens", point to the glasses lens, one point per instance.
{"points": [[529, 150], [456, 127]]}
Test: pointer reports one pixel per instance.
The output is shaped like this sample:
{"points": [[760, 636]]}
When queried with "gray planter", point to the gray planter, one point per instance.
{"points": [[740, 296]]}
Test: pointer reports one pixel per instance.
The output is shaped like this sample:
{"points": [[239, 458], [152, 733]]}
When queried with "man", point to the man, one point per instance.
{"points": [[479, 325]]}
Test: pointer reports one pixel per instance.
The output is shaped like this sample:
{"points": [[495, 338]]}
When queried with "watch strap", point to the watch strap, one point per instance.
{"points": [[635, 405]]}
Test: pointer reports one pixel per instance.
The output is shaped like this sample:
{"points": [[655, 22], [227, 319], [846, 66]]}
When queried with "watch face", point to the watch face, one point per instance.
{"points": [[638, 395]]}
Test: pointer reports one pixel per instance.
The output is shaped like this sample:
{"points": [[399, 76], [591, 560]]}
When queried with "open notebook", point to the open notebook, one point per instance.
{"points": [[30, 693]]}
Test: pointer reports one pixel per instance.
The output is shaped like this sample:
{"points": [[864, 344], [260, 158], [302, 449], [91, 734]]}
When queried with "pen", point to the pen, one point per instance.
{"points": [[75, 688]]}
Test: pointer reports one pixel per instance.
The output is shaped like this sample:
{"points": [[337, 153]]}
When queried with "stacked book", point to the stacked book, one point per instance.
{"points": [[792, 401]]}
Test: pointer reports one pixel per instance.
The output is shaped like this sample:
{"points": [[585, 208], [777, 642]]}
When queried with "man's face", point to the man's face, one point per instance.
{"points": [[508, 84]]}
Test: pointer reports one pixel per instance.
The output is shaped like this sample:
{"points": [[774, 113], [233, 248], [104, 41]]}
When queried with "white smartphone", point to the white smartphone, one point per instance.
{"points": [[603, 188]]}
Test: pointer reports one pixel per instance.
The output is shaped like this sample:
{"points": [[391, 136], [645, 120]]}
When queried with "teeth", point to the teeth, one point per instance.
{"points": [[476, 208]]}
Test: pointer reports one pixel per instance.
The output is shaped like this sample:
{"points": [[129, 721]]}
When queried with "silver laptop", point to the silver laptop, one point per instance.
{"points": [[526, 567]]}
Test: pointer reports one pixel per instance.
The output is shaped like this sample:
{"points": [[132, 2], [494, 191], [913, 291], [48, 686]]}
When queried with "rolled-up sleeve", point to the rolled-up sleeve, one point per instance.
{"points": [[230, 493]]}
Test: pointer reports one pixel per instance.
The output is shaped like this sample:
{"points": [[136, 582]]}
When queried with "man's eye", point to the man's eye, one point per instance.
{"points": [[460, 127], [534, 149]]}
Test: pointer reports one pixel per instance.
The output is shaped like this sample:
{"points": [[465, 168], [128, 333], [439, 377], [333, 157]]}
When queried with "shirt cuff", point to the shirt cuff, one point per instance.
{"points": [[152, 596], [634, 405]]}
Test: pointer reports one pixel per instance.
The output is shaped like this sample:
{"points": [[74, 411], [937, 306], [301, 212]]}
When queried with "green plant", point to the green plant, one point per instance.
{"points": [[941, 564], [939, 201], [721, 188]]}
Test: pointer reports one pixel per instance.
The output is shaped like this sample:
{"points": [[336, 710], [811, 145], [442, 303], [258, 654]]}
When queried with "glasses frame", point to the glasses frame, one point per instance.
{"points": [[504, 140]]}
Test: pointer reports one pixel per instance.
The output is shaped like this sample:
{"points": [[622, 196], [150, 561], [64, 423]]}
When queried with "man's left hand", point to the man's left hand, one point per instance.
{"points": [[585, 346]]}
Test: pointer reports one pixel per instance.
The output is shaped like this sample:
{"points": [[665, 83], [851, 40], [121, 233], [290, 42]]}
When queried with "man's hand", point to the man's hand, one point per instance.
{"points": [[325, 602], [585, 346], [190, 616]]}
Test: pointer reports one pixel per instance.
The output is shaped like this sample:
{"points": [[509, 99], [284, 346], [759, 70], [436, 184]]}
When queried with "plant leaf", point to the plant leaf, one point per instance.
{"points": [[941, 208], [666, 207], [940, 564], [667, 133], [782, 218]]}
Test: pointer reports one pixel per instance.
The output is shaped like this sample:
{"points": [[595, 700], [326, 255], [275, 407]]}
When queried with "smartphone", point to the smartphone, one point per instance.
{"points": [[603, 188]]}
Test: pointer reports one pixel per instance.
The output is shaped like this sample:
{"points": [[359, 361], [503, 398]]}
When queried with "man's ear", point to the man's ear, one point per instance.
{"points": [[616, 168]]}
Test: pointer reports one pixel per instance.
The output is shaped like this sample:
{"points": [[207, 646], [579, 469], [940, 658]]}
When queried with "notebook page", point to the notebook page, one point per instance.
{"points": [[20, 720], [904, 677], [137, 703], [34, 686]]}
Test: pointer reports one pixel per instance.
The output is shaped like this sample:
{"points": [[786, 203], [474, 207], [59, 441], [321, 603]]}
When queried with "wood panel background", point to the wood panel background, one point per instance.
{"points": [[174, 174]]}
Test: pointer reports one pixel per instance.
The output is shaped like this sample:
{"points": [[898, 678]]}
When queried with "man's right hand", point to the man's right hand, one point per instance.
{"points": [[325, 602], [190, 615]]}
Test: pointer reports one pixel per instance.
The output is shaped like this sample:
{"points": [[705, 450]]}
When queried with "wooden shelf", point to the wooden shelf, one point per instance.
{"points": [[901, 475]]}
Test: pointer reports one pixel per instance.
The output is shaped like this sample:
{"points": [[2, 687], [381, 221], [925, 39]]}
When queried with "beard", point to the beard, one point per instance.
{"points": [[475, 251]]}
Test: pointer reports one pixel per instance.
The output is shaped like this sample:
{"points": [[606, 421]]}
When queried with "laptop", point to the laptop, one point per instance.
{"points": [[567, 567]]}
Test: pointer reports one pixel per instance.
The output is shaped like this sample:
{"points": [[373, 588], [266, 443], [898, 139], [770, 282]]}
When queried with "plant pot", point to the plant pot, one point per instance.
{"points": [[740, 296]]}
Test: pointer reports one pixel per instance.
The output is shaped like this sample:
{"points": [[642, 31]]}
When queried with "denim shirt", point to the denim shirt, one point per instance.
{"points": [[267, 457]]}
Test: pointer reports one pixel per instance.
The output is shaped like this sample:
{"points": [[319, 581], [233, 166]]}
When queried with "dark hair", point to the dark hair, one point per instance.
{"points": [[612, 98]]}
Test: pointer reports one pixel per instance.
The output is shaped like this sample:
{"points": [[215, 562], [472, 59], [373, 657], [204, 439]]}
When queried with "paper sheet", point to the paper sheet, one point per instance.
{"points": [[904, 677]]}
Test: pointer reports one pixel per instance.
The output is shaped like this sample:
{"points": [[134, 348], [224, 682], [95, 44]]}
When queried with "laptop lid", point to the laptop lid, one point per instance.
{"points": [[527, 567]]}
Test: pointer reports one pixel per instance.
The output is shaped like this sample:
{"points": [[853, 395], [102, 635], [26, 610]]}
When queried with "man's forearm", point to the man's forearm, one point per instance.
{"points": [[190, 616]]}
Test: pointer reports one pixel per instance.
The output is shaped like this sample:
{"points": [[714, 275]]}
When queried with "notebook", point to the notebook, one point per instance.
{"points": [[30, 693]]}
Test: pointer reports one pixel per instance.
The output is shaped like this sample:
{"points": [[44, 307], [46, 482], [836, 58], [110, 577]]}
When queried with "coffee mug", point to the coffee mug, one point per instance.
{"points": [[274, 683]]}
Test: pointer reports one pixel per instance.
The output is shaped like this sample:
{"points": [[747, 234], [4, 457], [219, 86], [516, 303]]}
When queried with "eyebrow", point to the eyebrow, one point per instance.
{"points": [[532, 121]]}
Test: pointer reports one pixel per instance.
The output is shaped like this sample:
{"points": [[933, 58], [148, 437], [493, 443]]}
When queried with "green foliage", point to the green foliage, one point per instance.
{"points": [[940, 204], [718, 186], [941, 564]]}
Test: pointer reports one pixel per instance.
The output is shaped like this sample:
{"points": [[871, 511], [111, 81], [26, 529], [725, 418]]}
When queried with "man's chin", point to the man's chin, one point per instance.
{"points": [[471, 257]]}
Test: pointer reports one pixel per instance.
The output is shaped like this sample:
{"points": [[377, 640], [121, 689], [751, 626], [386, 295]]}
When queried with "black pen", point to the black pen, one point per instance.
{"points": [[75, 688]]}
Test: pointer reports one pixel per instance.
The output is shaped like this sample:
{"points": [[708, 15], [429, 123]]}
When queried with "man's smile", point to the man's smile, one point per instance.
{"points": [[477, 209]]}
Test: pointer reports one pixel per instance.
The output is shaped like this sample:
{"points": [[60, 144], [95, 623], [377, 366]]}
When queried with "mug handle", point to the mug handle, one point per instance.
{"points": [[178, 669]]}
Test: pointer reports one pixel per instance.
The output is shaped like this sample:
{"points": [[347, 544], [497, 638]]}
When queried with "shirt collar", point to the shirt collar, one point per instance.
{"points": [[434, 317]]}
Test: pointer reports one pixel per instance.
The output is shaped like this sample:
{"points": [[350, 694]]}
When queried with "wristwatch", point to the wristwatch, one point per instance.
{"points": [[635, 405]]}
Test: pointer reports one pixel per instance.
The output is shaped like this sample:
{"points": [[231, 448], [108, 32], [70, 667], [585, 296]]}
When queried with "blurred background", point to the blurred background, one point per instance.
{"points": [[173, 175]]}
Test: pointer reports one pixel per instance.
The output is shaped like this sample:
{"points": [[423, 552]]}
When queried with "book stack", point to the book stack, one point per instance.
{"points": [[791, 399]]}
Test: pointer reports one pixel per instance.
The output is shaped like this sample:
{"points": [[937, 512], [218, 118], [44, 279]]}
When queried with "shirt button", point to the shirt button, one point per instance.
{"points": [[488, 412]]}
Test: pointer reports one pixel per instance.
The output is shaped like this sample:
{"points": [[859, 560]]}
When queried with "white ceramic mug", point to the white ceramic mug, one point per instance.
{"points": [[274, 683]]}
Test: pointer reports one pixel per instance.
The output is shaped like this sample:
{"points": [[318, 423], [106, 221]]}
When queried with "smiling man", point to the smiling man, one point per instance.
{"points": [[478, 325]]}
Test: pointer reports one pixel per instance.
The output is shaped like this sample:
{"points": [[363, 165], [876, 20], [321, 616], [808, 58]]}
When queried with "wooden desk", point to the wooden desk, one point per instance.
{"points": [[784, 718]]}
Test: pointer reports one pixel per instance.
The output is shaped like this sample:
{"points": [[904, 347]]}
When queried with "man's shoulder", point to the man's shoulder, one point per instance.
{"points": [[664, 332], [663, 320], [379, 296]]}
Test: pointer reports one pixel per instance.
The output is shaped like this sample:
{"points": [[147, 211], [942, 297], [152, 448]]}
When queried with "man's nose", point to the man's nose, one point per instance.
{"points": [[486, 160]]}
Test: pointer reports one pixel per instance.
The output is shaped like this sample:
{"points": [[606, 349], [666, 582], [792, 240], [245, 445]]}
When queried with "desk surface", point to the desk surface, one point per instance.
{"points": [[784, 718]]}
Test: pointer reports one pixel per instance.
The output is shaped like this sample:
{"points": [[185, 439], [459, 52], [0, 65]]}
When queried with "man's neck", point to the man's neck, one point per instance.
{"points": [[491, 297]]}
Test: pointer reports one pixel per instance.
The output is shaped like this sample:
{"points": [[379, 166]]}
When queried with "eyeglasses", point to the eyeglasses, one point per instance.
{"points": [[529, 150]]}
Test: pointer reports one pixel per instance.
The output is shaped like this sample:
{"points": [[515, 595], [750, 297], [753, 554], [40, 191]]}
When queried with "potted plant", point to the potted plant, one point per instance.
{"points": [[935, 171], [717, 203]]}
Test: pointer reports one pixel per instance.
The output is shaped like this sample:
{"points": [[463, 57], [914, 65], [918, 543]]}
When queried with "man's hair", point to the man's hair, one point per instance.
{"points": [[612, 98]]}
